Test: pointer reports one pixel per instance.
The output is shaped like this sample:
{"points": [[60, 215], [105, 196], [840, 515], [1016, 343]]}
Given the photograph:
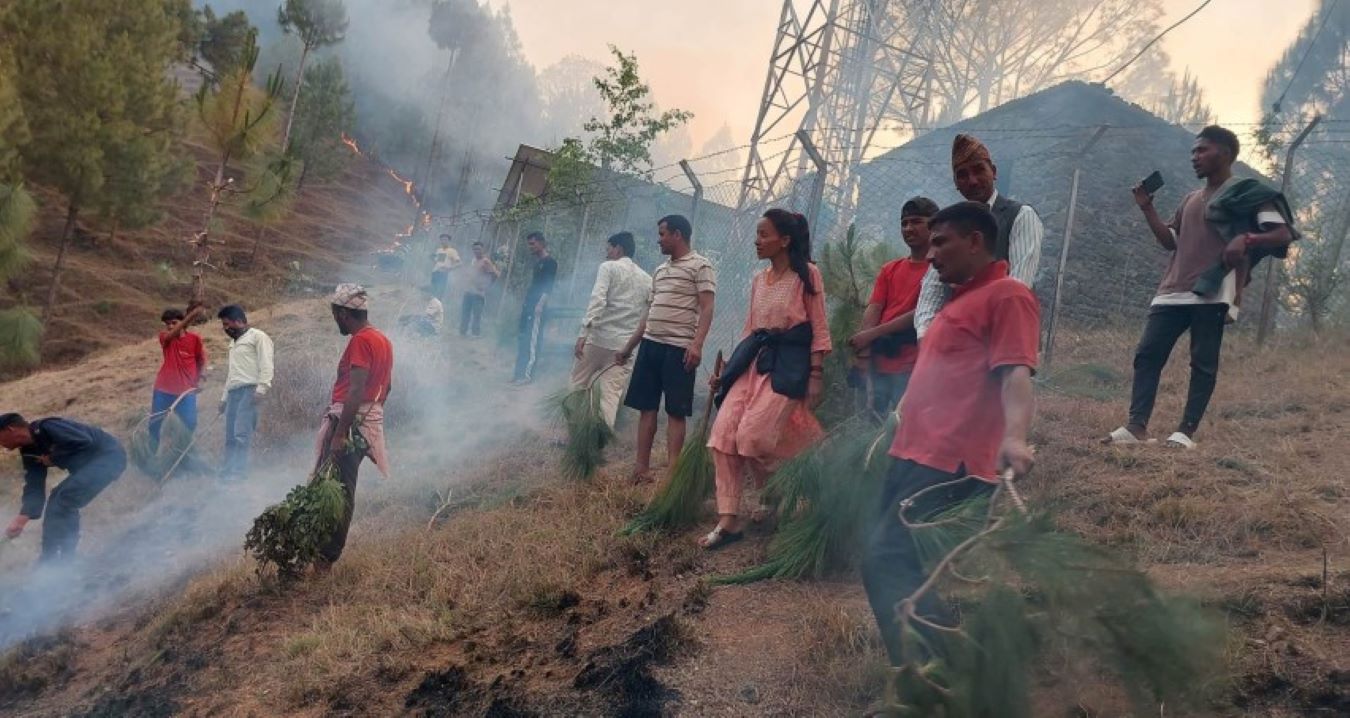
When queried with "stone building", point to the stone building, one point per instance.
{"points": [[1114, 264]]}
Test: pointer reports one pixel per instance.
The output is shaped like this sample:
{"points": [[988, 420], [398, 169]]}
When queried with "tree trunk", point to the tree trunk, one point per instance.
{"points": [[66, 233], [202, 242], [257, 240], [295, 99]]}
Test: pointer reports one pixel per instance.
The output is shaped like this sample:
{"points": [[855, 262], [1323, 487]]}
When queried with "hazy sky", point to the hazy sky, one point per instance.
{"points": [[710, 56]]}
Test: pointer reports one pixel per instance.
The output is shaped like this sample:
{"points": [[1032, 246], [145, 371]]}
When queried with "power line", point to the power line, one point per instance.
{"points": [[1152, 42], [1308, 51]]}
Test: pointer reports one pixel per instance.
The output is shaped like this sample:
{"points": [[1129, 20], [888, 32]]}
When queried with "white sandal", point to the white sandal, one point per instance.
{"points": [[1179, 440], [1123, 437]]}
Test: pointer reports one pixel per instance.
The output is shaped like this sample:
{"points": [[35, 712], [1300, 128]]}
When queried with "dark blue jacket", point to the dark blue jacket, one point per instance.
{"points": [[784, 355], [69, 445]]}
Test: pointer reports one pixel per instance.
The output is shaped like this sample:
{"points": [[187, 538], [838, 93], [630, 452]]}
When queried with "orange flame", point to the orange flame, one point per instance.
{"points": [[407, 183], [351, 143]]}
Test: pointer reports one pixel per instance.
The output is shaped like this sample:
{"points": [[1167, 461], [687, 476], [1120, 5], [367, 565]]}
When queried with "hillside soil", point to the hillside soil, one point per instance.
{"points": [[114, 286], [480, 583]]}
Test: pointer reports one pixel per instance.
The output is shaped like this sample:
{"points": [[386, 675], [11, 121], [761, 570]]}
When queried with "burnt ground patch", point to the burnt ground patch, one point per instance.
{"points": [[622, 672], [451, 692]]}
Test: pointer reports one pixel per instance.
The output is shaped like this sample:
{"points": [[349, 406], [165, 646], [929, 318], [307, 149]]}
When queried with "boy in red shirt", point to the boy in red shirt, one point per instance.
{"points": [[966, 413], [886, 345], [364, 378], [179, 373]]}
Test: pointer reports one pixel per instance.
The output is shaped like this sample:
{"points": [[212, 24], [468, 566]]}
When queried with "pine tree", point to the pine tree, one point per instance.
{"points": [[223, 39], [140, 173], [239, 122], [318, 23], [92, 77], [20, 331], [325, 113]]}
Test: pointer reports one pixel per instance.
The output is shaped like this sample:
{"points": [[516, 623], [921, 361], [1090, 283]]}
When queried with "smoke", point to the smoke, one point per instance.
{"points": [[143, 540], [486, 105]]}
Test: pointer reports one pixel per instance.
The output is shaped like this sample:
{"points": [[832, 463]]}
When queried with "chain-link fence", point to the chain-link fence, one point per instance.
{"points": [[1310, 288], [1072, 155]]}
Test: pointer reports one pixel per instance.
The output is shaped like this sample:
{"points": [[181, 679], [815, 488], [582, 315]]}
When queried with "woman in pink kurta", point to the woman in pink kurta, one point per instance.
{"points": [[757, 428]]}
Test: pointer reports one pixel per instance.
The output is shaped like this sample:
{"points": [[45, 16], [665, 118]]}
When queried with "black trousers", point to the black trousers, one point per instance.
{"points": [[531, 332], [892, 568], [61, 518], [471, 315], [1166, 324], [348, 463]]}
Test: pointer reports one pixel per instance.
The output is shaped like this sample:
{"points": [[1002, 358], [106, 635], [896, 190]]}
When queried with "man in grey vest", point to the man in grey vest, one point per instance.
{"points": [[1019, 227]]}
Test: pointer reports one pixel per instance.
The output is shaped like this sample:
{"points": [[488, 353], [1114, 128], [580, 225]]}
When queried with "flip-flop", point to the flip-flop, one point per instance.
{"points": [[720, 538], [1122, 437], [1179, 440]]}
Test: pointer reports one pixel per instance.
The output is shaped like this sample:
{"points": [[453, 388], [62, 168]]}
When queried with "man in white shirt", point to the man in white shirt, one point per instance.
{"points": [[247, 381], [428, 322], [1020, 231], [621, 293]]}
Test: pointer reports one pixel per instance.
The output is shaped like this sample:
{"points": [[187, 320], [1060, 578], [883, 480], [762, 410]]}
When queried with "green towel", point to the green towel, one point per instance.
{"points": [[1233, 212]]}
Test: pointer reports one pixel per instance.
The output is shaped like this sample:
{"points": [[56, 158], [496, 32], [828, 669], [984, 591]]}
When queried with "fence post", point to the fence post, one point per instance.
{"points": [[818, 188], [1267, 323], [1064, 247], [576, 258], [698, 191]]}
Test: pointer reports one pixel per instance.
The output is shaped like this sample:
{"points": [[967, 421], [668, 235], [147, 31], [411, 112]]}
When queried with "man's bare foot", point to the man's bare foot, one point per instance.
{"points": [[642, 476]]}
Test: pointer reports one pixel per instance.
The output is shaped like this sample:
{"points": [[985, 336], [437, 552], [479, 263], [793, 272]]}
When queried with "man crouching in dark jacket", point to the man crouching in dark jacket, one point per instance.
{"points": [[93, 458]]}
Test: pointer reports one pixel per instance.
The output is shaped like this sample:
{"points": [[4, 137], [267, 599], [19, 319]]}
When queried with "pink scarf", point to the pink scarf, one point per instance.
{"points": [[369, 421]]}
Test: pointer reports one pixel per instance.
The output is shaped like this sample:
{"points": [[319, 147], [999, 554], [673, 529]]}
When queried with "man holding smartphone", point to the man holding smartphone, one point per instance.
{"points": [[1183, 303]]}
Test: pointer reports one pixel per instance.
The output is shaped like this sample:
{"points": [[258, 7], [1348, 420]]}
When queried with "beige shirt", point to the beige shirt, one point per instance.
{"points": [[672, 317], [484, 273], [622, 292], [250, 363], [435, 311], [446, 259]]}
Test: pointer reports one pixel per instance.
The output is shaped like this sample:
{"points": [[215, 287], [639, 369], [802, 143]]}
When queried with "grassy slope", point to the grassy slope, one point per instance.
{"points": [[112, 289], [521, 594]]}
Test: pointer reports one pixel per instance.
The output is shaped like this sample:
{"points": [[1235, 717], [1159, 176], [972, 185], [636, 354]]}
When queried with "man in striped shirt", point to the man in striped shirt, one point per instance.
{"points": [[1019, 227], [671, 334]]}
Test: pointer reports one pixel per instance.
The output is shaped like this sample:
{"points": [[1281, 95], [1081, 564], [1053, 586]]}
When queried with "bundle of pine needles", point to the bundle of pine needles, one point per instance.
{"points": [[579, 413], [290, 534], [827, 499], [1038, 591], [175, 444], [679, 501]]}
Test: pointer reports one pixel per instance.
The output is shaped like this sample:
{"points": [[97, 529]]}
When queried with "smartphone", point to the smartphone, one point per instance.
{"points": [[1152, 183]]}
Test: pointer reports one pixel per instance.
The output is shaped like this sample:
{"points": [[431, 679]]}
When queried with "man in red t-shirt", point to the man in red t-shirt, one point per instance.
{"points": [[966, 413], [179, 373], [885, 344], [353, 426]]}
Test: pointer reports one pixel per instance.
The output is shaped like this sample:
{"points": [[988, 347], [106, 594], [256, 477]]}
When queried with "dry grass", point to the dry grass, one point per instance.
{"points": [[523, 575], [133, 277], [841, 660]]}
